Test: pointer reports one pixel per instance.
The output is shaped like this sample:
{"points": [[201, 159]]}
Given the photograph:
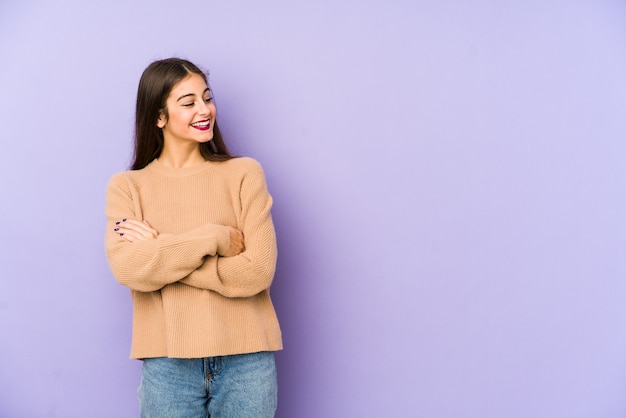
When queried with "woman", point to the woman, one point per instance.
{"points": [[190, 233]]}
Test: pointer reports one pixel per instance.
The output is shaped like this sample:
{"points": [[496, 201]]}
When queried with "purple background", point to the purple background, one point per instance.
{"points": [[449, 186]]}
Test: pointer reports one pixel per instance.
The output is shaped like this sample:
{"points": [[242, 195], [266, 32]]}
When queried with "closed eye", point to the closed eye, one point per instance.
{"points": [[207, 100]]}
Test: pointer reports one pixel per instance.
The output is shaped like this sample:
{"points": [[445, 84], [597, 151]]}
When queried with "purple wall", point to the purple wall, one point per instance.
{"points": [[449, 184]]}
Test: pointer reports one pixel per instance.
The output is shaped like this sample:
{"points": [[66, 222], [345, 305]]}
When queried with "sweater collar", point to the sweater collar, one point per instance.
{"points": [[160, 168]]}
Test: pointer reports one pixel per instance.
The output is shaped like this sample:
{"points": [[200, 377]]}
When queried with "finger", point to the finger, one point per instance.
{"points": [[139, 227], [129, 229], [128, 236], [133, 232], [152, 231], [134, 235]]}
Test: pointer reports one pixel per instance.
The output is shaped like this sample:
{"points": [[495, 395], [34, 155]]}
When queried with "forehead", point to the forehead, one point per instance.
{"points": [[192, 84]]}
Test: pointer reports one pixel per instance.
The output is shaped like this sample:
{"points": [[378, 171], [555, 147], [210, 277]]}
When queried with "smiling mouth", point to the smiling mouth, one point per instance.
{"points": [[202, 125]]}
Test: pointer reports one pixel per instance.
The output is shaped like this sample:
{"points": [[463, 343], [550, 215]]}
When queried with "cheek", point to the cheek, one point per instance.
{"points": [[178, 120]]}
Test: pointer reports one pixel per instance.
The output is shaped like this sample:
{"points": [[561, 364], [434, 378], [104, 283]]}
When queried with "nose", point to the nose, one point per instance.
{"points": [[203, 108]]}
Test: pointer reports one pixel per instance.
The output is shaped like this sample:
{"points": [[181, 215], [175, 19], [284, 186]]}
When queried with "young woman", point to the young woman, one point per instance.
{"points": [[190, 233]]}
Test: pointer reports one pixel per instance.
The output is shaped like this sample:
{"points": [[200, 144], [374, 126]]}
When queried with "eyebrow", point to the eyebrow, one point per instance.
{"points": [[192, 94]]}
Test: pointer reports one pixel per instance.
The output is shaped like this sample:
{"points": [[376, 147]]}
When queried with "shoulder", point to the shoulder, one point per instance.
{"points": [[118, 179], [244, 163], [244, 166], [132, 176], [248, 174], [125, 180]]}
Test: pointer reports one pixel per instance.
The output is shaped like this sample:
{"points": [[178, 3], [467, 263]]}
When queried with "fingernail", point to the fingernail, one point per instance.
{"points": [[116, 229], [124, 220], [122, 234], [117, 223]]}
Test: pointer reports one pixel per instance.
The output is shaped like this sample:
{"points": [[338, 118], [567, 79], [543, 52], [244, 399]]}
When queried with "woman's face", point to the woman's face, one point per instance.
{"points": [[191, 113]]}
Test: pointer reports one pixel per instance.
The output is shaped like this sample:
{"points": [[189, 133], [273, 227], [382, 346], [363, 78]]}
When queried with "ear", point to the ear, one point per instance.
{"points": [[162, 120]]}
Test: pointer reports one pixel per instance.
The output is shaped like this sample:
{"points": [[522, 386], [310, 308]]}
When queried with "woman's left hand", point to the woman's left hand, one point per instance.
{"points": [[133, 230]]}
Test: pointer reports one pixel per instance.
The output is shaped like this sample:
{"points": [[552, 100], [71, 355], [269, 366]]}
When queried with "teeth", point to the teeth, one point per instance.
{"points": [[201, 124]]}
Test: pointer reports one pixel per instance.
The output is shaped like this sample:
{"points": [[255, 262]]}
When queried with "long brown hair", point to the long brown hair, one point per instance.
{"points": [[155, 86]]}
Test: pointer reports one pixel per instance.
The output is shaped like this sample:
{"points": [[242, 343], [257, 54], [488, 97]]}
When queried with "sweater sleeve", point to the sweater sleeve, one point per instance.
{"points": [[148, 265], [252, 271]]}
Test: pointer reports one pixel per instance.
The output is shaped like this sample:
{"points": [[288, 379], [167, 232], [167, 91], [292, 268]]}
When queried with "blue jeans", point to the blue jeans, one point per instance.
{"points": [[237, 386]]}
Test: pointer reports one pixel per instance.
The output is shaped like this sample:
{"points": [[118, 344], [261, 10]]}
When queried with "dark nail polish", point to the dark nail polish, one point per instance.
{"points": [[117, 223], [124, 220], [116, 229], [122, 234]]}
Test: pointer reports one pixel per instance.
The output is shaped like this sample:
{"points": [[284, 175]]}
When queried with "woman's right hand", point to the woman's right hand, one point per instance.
{"points": [[236, 243]]}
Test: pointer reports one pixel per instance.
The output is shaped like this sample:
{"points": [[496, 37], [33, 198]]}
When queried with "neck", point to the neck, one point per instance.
{"points": [[181, 158]]}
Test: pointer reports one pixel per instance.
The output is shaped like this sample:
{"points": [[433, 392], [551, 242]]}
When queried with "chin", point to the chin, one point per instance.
{"points": [[206, 139]]}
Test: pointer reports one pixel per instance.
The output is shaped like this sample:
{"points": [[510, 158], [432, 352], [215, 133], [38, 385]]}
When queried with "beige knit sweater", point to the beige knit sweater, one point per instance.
{"points": [[188, 302]]}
